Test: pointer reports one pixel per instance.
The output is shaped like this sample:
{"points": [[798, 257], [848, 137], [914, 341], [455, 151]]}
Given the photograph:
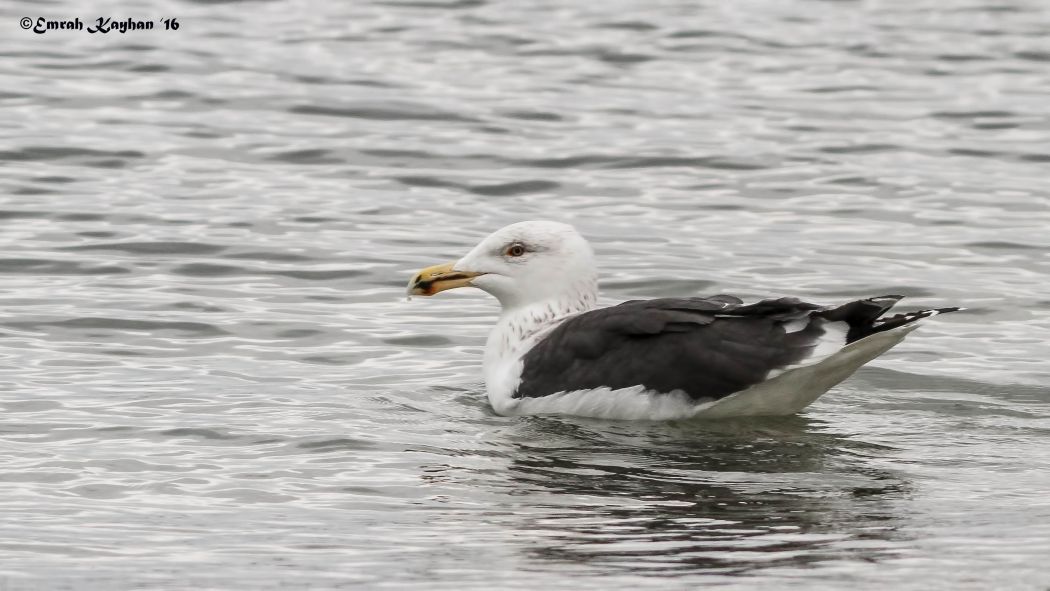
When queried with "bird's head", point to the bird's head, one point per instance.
{"points": [[520, 264]]}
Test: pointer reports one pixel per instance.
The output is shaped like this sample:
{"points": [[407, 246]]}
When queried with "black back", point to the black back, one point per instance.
{"points": [[705, 347], [708, 348]]}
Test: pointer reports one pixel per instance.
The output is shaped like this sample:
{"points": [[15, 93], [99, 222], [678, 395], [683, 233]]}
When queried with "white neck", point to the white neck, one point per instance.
{"points": [[519, 327]]}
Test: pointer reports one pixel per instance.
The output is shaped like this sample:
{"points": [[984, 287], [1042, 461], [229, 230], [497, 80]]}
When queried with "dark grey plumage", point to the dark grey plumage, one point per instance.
{"points": [[708, 348]]}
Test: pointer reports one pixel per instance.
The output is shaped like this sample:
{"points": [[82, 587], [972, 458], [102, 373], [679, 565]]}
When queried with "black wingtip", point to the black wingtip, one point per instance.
{"points": [[865, 317]]}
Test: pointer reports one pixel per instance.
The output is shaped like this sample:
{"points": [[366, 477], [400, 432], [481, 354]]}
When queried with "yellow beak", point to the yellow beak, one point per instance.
{"points": [[438, 278]]}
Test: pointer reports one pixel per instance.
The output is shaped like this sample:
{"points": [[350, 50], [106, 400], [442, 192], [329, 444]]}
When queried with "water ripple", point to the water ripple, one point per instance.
{"points": [[210, 377]]}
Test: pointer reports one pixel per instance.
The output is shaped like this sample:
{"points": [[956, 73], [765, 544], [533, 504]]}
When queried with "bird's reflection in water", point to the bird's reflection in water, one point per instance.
{"points": [[729, 497]]}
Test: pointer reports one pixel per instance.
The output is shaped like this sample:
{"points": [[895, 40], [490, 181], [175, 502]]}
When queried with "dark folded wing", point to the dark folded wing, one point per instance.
{"points": [[707, 348]]}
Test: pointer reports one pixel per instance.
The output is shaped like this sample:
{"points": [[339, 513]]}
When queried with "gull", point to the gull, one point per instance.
{"points": [[554, 351]]}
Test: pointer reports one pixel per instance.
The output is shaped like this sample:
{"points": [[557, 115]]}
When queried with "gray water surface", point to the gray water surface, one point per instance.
{"points": [[210, 377]]}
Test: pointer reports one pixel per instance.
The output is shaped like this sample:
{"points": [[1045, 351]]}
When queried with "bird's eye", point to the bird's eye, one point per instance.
{"points": [[515, 250]]}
